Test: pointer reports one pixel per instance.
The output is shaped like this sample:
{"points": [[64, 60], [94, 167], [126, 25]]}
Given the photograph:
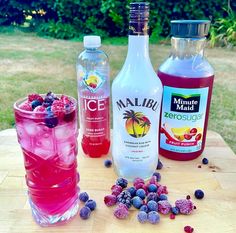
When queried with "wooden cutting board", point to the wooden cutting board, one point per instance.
{"points": [[216, 213]]}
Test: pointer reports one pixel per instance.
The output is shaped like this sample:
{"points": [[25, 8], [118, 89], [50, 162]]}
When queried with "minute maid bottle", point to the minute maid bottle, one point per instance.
{"points": [[187, 79]]}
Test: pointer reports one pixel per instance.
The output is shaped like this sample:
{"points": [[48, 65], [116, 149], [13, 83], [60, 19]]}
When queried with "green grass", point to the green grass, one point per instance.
{"points": [[29, 63]]}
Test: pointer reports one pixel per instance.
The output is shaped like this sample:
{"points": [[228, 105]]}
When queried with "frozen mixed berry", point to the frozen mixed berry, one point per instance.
{"points": [[188, 229], [132, 191], [83, 196], [40, 108], [84, 212], [153, 180], [157, 175], [152, 188], [122, 182], [185, 206], [91, 204], [163, 197], [138, 183], [58, 107], [153, 217], [141, 193], [34, 96], [159, 165], [199, 194], [66, 100], [110, 200], [125, 198], [116, 189], [50, 120], [172, 216], [137, 202], [205, 161], [162, 190], [107, 163], [164, 207], [175, 210], [144, 208], [35, 103], [121, 211], [152, 196], [26, 106], [142, 216], [152, 206]]}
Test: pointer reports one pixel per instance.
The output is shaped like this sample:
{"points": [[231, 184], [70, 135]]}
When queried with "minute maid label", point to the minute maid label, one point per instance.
{"points": [[183, 118]]}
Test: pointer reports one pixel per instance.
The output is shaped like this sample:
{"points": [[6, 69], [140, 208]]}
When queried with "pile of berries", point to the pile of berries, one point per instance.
{"points": [[149, 198], [54, 108], [88, 207]]}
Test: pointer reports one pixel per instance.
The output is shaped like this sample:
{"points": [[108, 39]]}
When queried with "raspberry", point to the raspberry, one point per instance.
{"points": [[153, 180], [199, 194], [188, 229], [159, 165], [153, 217], [107, 163], [85, 212], [122, 182], [172, 216], [40, 108], [58, 107], [152, 206], [91, 204], [141, 193], [125, 198], [185, 206], [83, 197], [205, 161], [157, 175], [65, 99], [142, 216], [152, 188], [116, 189], [121, 211], [164, 207], [137, 202], [138, 183], [152, 196], [162, 190], [110, 200], [132, 191], [26, 106], [34, 96]]}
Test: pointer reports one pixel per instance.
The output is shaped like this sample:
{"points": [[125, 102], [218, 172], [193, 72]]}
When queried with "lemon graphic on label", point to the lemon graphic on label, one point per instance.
{"points": [[180, 133]]}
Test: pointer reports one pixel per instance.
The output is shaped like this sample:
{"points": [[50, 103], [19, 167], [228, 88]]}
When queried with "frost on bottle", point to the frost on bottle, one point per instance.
{"points": [[136, 98], [94, 93], [187, 79]]}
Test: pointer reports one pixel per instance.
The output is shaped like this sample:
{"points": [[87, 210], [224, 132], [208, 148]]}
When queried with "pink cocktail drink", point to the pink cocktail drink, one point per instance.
{"points": [[47, 132]]}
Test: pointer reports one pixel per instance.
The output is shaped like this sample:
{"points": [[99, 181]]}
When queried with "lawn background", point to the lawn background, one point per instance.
{"points": [[29, 63]]}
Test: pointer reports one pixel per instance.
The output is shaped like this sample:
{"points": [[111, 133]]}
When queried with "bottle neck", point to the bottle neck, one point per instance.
{"points": [[187, 47], [138, 47]]}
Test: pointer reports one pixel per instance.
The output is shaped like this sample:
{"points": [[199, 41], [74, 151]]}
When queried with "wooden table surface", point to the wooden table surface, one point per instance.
{"points": [[216, 213]]}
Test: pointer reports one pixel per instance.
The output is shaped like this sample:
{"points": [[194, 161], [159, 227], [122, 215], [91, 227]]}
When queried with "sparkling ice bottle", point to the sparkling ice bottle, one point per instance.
{"points": [[187, 78], [136, 99], [94, 94]]}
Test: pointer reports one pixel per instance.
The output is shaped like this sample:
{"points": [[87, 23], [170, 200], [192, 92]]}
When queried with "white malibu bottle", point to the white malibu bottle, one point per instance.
{"points": [[136, 99]]}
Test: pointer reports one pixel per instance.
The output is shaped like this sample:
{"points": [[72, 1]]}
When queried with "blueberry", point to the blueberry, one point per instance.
{"points": [[205, 161], [163, 197], [175, 210], [132, 191], [144, 208], [122, 182], [152, 188], [199, 194], [85, 212], [49, 108], [153, 217], [157, 175], [152, 206], [91, 204], [51, 121], [83, 197], [142, 216], [141, 193], [35, 103], [159, 165], [137, 202], [107, 163]]}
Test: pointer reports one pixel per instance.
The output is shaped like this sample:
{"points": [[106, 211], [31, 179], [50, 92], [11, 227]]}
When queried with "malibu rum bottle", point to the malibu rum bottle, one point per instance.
{"points": [[136, 99]]}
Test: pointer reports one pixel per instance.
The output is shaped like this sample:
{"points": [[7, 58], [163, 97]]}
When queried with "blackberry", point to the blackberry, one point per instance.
{"points": [[125, 198], [122, 182]]}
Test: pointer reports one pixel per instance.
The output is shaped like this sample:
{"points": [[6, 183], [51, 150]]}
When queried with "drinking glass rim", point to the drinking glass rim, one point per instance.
{"points": [[21, 100]]}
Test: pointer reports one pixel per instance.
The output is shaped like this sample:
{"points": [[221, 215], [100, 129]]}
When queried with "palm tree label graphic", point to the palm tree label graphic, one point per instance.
{"points": [[137, 124]]}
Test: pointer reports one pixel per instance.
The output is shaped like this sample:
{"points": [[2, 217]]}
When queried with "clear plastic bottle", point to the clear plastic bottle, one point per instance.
{"points": [[187, 78], [136, 99], [94, 98]]}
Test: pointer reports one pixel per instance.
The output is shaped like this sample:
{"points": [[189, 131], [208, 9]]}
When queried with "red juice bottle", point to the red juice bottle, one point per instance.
{"points": [[94, 98], [187, 80]]}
